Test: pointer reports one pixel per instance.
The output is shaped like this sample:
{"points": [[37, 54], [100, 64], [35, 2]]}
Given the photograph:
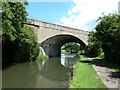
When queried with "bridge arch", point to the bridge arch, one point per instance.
{"points": [[52, 45], [45, 30]]}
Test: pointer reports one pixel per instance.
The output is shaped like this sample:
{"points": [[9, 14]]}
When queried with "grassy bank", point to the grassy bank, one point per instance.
{"points": [[64, 52], [84, 76], [42, 57]]}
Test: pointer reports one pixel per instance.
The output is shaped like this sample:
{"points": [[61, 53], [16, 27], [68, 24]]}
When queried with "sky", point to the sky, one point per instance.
{"points": [[81, 14]]}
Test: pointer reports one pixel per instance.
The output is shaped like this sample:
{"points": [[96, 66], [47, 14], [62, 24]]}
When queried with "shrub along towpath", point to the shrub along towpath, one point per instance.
{"points": [[84, 75], [110, 77]]}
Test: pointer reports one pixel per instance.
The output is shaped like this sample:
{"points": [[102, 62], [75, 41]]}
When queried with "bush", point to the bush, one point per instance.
{"points": [[93, 46], [108, 34], [23, 48], [19, 41], [107, 37]]}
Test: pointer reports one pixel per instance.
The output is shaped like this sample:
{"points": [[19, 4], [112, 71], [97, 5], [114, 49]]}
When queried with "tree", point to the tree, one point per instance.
{"points": [[107, 35], [19, 41], [71, 47], [94, 45]]}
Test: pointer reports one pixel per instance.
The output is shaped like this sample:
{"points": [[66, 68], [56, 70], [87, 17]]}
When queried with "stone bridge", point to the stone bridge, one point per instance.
{"points": [[52, 36]]}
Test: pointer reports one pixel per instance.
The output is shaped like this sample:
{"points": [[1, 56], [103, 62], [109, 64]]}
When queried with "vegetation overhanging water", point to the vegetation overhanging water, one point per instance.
{"points": [[52, 73]]}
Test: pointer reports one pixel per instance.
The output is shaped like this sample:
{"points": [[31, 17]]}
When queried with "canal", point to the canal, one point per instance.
{"points": [[55, 72]]}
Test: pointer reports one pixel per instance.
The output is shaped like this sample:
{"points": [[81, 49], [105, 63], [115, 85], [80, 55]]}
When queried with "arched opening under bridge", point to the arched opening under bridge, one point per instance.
{"points": [[52, 46]]}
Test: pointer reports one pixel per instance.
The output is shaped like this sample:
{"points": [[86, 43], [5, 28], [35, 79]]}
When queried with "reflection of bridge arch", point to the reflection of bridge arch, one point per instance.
{"points": [[55, 71], [53, 44]]}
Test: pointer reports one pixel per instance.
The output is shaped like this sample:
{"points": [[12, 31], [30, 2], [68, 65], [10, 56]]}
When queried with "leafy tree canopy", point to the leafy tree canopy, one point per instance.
{"points": [[107, 36], [72, 47], [19, 41]]}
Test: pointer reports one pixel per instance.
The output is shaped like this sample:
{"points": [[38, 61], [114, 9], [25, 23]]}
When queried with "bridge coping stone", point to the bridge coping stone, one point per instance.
{"points": [[56, 26]]}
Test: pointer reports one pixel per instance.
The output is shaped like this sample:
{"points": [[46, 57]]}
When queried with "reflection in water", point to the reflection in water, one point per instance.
{"points": [[69, 60], [52, 73]]}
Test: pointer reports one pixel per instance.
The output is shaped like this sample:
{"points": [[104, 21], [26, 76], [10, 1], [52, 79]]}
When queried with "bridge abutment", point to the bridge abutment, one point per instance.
{"points": [[51, 50]]}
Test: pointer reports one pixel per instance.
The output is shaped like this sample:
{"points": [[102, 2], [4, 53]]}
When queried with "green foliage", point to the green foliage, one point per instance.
{"points": [[108, 33], [108, 36], [94, 45], [19, 41], [42, 58], [13, 15], [71, 47]]}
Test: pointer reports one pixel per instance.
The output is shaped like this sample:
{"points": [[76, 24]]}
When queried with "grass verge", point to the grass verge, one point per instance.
{"points": [[84, 76], [114, 66], [41, 57]]}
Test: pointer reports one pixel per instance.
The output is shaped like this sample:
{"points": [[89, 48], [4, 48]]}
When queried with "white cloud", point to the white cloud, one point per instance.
{"points": [[84, 13]]}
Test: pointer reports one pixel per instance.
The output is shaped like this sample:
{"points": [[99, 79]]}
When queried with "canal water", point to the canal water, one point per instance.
{"points": [[55, 72]]}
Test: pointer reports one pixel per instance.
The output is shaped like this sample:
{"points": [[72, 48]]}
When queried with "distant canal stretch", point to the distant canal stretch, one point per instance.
{"points": [[52, 73]]}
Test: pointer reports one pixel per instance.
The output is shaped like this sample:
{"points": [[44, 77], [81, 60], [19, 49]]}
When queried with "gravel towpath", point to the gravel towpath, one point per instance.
{"points": [[109, 77]]}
